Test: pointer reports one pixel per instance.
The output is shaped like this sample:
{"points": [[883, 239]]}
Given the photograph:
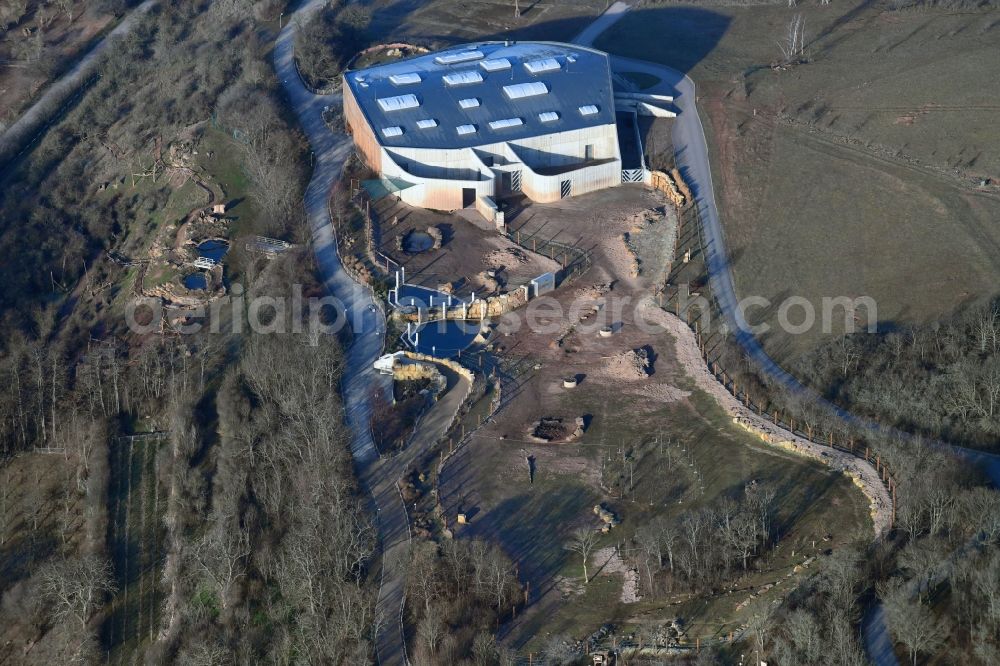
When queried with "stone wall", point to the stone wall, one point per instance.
{"points": [[454, 366], [483, 308], [665, 183]]}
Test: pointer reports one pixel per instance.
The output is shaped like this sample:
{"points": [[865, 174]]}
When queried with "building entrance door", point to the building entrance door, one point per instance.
{"points": [[468, 197]]}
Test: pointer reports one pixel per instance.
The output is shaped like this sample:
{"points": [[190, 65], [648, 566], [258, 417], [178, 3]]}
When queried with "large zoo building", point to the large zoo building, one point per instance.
{"points": [[459, 127]]}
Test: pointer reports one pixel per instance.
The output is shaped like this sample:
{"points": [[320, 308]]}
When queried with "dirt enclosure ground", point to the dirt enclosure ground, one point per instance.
{"points": [[630, 392], [861, 170], [469, 248]]}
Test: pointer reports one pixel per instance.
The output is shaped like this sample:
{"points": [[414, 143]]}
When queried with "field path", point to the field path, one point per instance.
{"points": [[19, 136]]}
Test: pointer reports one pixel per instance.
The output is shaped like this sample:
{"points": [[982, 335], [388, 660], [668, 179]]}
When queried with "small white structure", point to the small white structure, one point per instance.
{"points": [[456, 128], [543, 284], [385, 364]]}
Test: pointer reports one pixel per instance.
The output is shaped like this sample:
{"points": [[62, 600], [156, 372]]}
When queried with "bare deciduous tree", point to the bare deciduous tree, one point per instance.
{"points": [[582, 543], [793, 43], [75, 588], [221, 556], [911, 622]]}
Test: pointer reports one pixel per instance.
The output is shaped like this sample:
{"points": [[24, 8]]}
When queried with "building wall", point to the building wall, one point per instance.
{"points": [[554, 150], [545, 189], [439, 176], [435, 193], [363, 134]]}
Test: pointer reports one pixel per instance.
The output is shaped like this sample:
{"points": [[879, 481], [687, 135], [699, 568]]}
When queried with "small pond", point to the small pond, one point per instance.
{"points": [[213, 249], [445, 339], [197, 280], [416, 242]]}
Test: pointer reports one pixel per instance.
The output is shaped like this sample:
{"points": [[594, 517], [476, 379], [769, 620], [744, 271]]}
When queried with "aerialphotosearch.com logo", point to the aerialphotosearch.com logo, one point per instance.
{"points": [[317, 316], [795, 315]]}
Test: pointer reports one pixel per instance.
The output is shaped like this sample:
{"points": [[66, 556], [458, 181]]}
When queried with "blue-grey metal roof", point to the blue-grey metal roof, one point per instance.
{"points": [[582, 79]]}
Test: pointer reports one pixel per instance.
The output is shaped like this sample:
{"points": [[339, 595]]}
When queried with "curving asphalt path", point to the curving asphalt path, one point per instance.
{"points": [[367, 322], [18, 137]]}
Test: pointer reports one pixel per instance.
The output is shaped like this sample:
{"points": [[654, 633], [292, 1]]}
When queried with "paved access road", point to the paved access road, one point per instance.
{"points": [[368, 327], [19, 135]]}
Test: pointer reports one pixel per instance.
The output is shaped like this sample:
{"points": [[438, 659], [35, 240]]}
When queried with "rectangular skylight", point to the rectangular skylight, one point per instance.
{"points": [[460, 56], [466, 129], [495, 64], [588, 110], [405, 79], [506, 122], [392, 131], [398, 103], [427, 123], [469, 103], [548, 116], [521, 90], [543, 65], [463, 78]]}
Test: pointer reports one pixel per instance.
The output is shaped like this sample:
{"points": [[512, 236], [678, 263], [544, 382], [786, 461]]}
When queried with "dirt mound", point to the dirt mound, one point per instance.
{"points": [[642, 219], [551, 429], [510, 256], [633, 364]]}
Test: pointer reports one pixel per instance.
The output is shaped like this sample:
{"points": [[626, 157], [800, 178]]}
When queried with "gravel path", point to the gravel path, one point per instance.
{"points": [[862, 473]]}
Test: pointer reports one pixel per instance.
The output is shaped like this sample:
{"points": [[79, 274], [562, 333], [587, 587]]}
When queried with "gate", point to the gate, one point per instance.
{"points": [[515, 181], [632, 175]]}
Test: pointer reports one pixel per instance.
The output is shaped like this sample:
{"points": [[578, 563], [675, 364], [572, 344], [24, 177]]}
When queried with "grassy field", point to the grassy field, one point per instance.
{"points": [[219, 157], [857, 172], [443, 22]]}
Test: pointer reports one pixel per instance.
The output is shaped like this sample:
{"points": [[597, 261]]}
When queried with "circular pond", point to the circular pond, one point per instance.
{"points": [[416, 242], [213, 249], [196, 281], [445, 338]]}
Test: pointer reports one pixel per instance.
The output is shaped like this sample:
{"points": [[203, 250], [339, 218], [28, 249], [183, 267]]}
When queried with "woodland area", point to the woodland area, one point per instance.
{"points": [[457, 592], [237, 533], [941, 380], [325, 44], [935, 575], [936, 578]]}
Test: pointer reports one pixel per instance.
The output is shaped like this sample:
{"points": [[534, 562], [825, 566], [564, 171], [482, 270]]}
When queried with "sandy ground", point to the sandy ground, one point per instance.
{"points": [[469, 248], [624, 227]]}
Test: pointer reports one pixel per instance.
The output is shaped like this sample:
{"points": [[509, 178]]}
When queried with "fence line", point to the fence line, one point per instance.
{"points": [[828, 439], [574, 261], [375, 255]]}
